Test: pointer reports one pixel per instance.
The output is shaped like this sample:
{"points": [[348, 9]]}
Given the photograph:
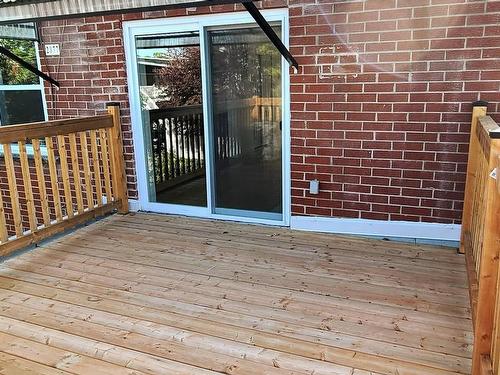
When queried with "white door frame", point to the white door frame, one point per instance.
{"points": [[199, 23]]}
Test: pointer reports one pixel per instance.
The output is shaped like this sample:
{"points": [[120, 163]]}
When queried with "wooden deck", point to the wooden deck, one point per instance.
{"points": [[151, 294]]}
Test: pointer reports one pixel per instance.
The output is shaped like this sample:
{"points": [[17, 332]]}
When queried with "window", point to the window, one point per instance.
{"points": [[21, 92]]}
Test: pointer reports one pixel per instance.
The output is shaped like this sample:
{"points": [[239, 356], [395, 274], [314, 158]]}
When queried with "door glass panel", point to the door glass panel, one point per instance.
{"points": [[169, 72], [245, 75]]}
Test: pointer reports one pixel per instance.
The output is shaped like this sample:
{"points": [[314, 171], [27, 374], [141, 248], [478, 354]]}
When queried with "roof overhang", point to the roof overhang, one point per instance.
{"points": [[14, 11]]}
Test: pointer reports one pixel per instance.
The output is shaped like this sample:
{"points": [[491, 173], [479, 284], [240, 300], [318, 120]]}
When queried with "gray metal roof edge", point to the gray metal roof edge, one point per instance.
{"points": [[4, 3]]}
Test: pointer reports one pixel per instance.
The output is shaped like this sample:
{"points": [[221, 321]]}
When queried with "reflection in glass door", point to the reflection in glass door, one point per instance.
{"points": [[245, 77], [169, 73]]}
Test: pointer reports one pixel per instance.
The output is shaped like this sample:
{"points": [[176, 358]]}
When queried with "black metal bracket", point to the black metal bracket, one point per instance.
{"points": [[480, 103], [4, 51], [268, 30]]}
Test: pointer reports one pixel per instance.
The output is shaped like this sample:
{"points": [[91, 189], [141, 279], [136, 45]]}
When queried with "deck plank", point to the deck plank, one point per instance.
{"points": [[156, 282], [330, 337], [170, 295], [451, 304], [259, 255], [13, 365], [47, 355]]}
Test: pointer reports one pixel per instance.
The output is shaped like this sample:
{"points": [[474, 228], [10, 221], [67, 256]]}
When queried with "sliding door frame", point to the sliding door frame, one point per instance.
{"points": [[200, 24]]}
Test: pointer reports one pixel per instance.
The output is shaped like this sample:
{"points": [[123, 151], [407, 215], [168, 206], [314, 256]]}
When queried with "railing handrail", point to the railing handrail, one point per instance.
{"points": [[490, 127], [23, 132], [84, 192], [480, 240]]}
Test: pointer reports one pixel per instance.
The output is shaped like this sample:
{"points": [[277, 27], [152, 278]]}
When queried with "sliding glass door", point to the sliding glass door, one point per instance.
{"points": [[208, 107], [245, 76]]}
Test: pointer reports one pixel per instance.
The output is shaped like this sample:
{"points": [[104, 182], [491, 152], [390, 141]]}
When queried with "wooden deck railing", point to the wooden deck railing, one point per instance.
{"points": [[59, 174], [481, 239]]}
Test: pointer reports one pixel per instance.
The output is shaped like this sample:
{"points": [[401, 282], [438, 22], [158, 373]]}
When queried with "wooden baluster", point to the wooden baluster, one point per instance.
{"points": [[76, 172], [41, 182], [86, 170], [105, 164], [61, 143], [96, 166], [14, 195], [28, 190], [110, 162], [53, 178], [4, 236], [109, 147]]}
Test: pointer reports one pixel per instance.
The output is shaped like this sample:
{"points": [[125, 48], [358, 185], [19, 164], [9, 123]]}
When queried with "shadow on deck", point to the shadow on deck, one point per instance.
{"points": [[151, 294]]}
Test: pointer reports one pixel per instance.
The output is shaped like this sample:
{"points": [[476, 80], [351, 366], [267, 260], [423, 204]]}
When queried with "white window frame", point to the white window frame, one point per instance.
{"points": [[200, 23], [33, 87], [40, 86]]}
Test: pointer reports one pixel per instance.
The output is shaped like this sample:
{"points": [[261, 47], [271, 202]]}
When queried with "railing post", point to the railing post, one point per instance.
{"points": [[117, 160], [489, 264], [479, 110]]}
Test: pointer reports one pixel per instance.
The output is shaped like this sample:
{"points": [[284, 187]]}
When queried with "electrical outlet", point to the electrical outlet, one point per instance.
{"points": [[314, 187], [52, 50]]}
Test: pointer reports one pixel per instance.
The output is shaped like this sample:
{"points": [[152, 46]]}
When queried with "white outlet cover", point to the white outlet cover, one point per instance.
{"points": [[52, 50], [314, 187]]}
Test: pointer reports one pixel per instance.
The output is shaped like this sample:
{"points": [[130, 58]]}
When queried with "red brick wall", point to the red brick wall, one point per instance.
{"points": [[380, 107], [385, 129]]}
